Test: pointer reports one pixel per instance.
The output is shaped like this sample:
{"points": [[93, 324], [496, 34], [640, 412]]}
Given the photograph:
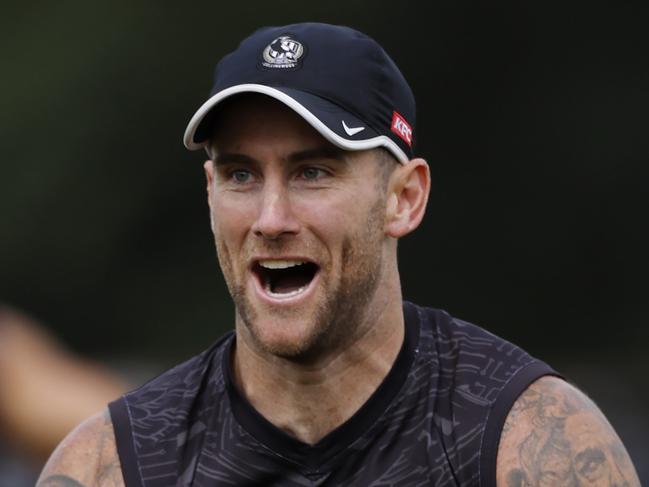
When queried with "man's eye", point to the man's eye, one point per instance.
{"points": [[241, 176], [312, 173]]}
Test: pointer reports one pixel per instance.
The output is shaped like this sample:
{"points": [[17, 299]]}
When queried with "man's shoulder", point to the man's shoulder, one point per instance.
{"points": [[455, 340], [185, 377], [478, 370], [555, 435], [87, 457], [445, 326], [167, 407]]}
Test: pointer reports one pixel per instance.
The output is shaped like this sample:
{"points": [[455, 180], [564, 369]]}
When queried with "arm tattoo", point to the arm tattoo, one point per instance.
{"points": [[59, 481], [566, 441]]}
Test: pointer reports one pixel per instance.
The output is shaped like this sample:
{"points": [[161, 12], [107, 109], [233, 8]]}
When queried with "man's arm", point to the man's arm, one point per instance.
{"points": [[556, 436], [87, 457]]}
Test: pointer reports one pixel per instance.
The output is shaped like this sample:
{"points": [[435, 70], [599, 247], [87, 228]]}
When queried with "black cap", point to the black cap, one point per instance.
{"points": [[339, 80]]}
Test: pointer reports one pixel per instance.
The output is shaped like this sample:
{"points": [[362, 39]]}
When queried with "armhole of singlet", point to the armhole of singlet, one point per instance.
{"points": [[124, 441], [498, 414]]}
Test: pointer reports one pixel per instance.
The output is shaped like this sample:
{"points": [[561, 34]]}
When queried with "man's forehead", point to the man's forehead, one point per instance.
{"points": [[250, 117], [253, 127]]}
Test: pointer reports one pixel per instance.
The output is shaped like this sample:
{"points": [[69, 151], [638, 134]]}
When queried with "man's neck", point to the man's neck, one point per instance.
{"points": [[309, 401]]}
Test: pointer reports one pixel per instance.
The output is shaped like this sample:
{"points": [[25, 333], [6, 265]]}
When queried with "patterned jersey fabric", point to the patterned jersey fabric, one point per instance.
{"points": [[434, 420]]}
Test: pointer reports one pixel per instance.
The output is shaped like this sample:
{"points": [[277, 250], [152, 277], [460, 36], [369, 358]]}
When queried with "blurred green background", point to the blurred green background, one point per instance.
{"points": [[532, 116]]}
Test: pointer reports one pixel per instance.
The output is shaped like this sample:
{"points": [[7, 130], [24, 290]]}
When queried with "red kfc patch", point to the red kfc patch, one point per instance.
{"points": [[402, 128]]}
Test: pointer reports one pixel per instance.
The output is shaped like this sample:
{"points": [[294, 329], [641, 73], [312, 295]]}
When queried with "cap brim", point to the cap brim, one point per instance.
{"points": [[339, 127]]}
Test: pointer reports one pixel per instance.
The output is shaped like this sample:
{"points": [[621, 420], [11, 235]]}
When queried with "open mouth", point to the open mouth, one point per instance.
{"points": [[285, 278]]}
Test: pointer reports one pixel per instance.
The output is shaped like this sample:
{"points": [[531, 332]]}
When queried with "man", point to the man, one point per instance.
{"points": [[329, 377]]}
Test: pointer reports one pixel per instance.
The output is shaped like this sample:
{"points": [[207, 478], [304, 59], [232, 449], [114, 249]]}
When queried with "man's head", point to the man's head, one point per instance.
{"points": [[337, 79], [305, 229]]}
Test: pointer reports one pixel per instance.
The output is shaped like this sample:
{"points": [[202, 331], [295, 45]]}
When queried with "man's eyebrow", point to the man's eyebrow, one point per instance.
{"points": [[232, 158], [300, 156]]}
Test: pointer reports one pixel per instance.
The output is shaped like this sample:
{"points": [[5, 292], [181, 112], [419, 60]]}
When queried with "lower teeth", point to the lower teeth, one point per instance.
{"points": [[284, 295]]}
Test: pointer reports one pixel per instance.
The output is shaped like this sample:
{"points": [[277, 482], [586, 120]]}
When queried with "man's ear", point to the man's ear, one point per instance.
{"points": [[407, 196], [209, 176], [208, 166]]}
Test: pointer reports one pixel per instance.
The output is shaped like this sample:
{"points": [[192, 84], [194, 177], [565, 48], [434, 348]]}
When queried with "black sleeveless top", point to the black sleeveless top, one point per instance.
{"points": [[434, 420]]}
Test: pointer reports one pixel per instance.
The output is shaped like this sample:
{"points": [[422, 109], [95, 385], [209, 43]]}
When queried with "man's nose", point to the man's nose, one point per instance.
{"points": [[275, 215]]}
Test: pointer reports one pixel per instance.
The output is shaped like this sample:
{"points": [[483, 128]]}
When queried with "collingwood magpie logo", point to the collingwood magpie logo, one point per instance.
{"points": [[283, 52]]}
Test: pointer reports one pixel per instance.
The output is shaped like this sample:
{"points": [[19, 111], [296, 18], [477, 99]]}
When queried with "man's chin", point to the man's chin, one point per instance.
{"points": [[285, 339], [297, 333]]}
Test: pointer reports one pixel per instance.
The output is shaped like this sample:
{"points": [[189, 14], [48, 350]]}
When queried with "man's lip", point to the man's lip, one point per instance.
{"points": [[257, 260]]}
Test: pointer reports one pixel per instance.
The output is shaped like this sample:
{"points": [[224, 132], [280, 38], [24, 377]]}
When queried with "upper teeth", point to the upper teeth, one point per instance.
{"points": [[280, 264]]}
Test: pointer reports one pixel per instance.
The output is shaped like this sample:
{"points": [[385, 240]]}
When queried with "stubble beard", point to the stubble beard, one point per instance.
{"points": [[338, 319]]}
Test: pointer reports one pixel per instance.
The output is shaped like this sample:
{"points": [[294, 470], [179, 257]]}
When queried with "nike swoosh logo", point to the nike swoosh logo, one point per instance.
{"points": [[352, 130]]}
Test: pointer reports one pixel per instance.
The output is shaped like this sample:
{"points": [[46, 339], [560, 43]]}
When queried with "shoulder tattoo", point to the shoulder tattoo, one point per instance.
{"points": [[86, 458], [109, 473], [556, 436]]}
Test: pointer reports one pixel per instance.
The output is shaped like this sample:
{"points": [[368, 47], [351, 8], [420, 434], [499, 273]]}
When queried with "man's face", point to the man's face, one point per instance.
{"points": [[299, 229]]}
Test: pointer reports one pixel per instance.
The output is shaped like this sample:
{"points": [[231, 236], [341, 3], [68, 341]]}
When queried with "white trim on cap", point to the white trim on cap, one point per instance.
{"points": [[326, 132]]}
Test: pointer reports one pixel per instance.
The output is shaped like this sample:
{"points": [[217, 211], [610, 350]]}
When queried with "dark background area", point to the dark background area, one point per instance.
{"points": [[533, 118]]}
